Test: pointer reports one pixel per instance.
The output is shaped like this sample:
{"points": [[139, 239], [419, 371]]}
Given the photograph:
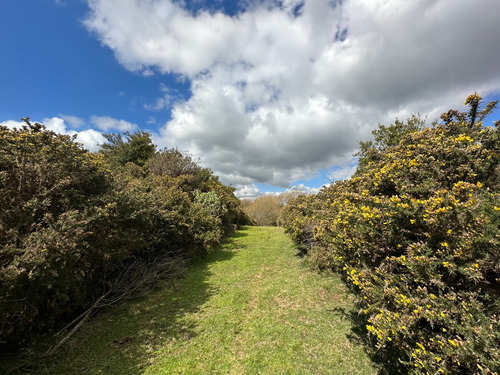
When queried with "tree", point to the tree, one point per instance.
{"points": [[137, 148]]}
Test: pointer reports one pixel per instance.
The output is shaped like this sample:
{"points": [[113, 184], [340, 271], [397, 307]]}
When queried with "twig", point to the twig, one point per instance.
{"points": [[138, 274]]}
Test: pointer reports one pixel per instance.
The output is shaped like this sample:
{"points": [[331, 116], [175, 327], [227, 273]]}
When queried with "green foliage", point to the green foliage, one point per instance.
{"points": [[385, 137], [137, 148], [69, 226], [48, 181], [173, 163], [416, 234]]}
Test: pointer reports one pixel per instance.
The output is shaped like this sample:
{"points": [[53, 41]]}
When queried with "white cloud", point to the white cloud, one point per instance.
{"points": [[301, 188], [247, 191], [90, 138], [106, 123], [342, 173], [11, 124], [73, 121], [251, 191], [279, 93]]}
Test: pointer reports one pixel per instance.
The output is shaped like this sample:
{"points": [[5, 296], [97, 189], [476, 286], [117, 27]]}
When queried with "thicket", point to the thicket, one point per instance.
{"points": [[74, 223], [415, 232], [266, 210]]}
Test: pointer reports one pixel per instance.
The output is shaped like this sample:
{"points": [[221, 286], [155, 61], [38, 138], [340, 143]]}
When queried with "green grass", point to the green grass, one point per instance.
{"points": [[251, 307]]}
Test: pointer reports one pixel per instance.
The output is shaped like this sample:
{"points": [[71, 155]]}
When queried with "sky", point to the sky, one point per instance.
{"points": [[271, 95]]}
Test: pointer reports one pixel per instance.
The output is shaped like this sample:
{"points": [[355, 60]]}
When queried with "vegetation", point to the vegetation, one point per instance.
{"points": [[251, 307], [266, 210], [74, 224], [415, 233]]}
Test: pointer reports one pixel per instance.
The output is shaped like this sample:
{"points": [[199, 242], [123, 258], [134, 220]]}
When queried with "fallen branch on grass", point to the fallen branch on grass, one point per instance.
{"points": [[139, 275]]}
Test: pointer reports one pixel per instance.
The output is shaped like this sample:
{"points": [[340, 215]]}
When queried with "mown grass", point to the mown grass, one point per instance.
{"points": [[251, 307]]}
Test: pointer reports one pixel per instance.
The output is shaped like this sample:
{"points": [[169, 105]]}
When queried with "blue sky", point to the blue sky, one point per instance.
{"points": [[271, 95]]}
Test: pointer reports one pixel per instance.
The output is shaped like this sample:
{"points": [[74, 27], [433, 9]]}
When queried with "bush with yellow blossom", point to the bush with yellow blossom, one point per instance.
{"points": [[416, 235]]}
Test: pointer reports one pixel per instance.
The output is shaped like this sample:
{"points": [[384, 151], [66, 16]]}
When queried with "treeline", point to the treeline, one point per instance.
{"points": [[415, 233], [266, 210], [77, 226]]}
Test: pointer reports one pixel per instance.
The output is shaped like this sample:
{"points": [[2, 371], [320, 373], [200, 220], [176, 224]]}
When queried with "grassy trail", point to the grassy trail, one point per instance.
{"points": [[251, 307]]}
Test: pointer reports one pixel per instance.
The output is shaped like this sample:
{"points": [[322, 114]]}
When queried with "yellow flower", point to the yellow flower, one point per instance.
{"points": [[444, 244]]}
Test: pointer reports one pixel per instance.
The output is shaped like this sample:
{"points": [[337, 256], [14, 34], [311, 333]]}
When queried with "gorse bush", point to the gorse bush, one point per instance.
{"points": [[71, 221], [416, 234]]}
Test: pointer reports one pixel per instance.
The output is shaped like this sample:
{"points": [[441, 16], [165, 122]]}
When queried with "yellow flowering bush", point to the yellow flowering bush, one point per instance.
{"points": [[416, 235]]}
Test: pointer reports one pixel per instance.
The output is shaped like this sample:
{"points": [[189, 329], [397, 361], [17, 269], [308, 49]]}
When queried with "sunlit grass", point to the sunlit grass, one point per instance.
{"points": [[251, 307]]}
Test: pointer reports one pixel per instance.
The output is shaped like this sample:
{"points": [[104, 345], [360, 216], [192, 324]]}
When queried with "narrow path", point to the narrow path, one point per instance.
{"points": [[251, 308]]}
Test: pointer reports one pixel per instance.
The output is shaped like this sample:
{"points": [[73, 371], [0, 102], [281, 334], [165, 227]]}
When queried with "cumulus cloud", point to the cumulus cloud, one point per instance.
{"points": [[301, 188], [342, 173], [284, 89], [106, 123], [247, 191], [90, 138], [73, 121]]}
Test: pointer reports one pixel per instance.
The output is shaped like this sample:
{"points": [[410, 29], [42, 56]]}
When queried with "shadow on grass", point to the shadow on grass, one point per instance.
{"points": [[387, 359], [125, 339], [239, 234]]}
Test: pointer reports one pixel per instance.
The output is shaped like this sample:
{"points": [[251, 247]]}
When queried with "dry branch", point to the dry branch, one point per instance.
{"points": [[140, 274]]}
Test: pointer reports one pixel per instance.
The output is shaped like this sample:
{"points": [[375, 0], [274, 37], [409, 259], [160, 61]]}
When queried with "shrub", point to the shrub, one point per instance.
{"points": [[70, 228], [416, 234], [48, 180]]}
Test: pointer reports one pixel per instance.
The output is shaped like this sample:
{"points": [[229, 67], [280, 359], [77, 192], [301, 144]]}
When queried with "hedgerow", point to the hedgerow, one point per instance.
{"points": [[72, 222], [415, 232]]}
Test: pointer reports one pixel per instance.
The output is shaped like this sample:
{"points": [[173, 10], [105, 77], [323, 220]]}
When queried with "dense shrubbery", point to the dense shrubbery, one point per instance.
{"points": [[71, 221], [416, 234]]}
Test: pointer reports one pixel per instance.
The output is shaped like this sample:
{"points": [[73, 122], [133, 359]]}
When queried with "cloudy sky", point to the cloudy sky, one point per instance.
{"points": [[269, 94]]}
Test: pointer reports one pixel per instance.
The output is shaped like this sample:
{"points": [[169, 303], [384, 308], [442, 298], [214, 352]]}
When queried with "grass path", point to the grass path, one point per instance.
{"points": [[251, 307]]}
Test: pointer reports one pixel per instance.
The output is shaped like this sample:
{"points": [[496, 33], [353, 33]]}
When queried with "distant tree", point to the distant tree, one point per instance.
{"points": [[136, 148], [264, 210]]}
